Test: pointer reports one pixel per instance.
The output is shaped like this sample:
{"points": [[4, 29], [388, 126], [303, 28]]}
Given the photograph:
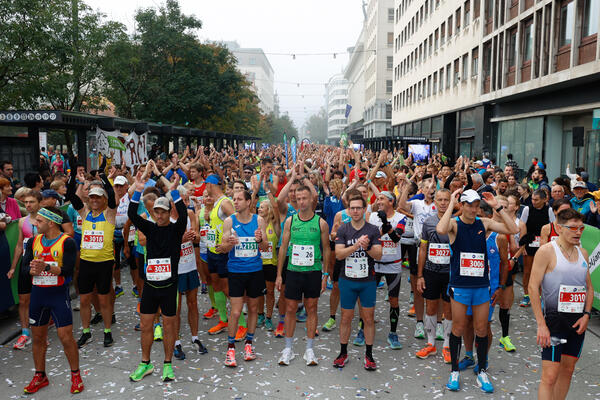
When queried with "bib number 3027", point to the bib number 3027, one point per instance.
{"points": [[439, 253], [303, 255], [357, 267], [472, 264], [571, 299], [159, 269]]}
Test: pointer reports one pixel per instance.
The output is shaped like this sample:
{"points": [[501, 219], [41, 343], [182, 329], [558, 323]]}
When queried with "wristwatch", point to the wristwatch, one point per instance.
{"points": [[499, 209], [589, 314]]}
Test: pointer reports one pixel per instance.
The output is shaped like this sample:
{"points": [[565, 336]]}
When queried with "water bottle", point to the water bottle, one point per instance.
{"points": [[555, 341]]}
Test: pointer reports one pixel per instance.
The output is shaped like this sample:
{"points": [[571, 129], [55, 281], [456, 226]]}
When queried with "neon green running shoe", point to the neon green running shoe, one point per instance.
{"points": [[158, 333], [507, 344], [168, 374], [141, 371], [329, 325]]}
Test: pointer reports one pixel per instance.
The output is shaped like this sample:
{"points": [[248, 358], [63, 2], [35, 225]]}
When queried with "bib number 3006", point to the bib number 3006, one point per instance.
{"points": [[472, 264]]}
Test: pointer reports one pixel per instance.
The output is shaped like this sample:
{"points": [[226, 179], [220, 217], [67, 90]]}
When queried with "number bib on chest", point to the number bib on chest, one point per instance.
{"points": [[246, 248], [408, 227], [187, 253], [439, 253], [303, 255], [203, 235], [388, 246], [46, 278], [571, 299], [92, 240], [357, 267], [211, 238], [535, 243], [554, 238], [159, 269], [472, 264], [267, 255]]}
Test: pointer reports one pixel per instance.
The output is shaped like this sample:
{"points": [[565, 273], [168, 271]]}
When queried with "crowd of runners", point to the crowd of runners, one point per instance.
{"points": [[264, 236]]}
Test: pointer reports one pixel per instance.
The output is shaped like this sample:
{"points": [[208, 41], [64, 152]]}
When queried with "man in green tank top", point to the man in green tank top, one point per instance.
{"points": [[305, 249]]}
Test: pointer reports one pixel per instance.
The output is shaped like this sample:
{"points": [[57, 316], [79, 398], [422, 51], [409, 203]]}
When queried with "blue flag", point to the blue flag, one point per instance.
{"points": [[293, 148], [348, 108]]}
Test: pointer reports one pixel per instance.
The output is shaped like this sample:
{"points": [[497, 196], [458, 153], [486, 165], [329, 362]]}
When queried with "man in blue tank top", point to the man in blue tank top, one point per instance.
{"points": [[469, 274]]}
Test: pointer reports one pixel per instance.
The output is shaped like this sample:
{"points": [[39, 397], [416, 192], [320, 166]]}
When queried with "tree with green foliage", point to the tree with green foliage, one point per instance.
{"points": [[316, 126]]}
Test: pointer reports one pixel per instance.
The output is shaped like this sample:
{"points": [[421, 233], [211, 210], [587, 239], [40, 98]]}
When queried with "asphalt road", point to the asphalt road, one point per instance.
{"points": [[400, 374]]}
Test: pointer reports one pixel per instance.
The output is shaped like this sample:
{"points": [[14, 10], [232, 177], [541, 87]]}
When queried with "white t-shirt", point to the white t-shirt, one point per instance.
{"points": [[391, 251], [421, 211]]}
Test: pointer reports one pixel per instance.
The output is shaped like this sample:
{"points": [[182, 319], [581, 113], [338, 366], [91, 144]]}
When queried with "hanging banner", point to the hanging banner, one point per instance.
{"points": [[590, 240], [293, 148], [119, 146], [344, 140], [286, 149]]}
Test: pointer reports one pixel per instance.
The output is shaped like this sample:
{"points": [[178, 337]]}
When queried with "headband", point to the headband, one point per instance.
{"points": [[389, 195], [50, 216]]}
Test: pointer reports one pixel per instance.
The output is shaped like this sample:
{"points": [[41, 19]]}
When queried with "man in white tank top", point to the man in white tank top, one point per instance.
{"points": [[561, 269]]}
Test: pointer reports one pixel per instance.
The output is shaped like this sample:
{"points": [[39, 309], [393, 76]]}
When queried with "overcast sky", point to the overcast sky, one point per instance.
{"points": [[276, 26]]}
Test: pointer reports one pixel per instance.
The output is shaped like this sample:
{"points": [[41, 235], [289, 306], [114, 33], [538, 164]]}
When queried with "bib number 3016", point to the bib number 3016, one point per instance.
{"points": [[472, 264]]}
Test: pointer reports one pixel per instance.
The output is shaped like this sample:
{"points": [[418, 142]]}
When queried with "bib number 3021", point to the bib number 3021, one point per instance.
{"points": [[472, 264], [159, 269]]}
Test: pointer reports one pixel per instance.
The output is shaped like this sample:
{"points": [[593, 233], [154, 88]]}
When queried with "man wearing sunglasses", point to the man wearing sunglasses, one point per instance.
{"points": [[561, 269]]}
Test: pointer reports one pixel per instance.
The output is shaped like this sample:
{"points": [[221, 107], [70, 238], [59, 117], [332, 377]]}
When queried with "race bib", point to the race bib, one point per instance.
{"points": [[357, 267], [25, 243], [211, 238], [303, 255], [203, 235], [535, 243], [439, 253], [159, 269], [46, 278], [571, 299], [92, 240], [472, 264], [187, 253], [389, 247], [131, 233], [408, 227], [79, 222], [554, 238], [267, 255], [246, 248]]}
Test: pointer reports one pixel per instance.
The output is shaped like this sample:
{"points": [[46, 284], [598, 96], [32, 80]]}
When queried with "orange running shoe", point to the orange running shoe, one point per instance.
{"points": [[218, 328], [249, 352], [426, 351], [411, 312], [212, 312], [230, 358], [279, 331], [36, 383], [446, 354], [241, 333], [76, 383]]}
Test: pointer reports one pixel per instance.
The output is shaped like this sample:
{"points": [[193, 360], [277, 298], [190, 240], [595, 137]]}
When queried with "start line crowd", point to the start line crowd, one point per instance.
{"points": [[242, 225]]}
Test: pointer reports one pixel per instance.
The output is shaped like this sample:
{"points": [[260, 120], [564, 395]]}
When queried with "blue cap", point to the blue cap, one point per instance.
{"points": [[214, 179], [50, 193]]}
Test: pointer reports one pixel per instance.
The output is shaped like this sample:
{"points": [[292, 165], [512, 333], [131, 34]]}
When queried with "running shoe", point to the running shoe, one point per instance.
{"points": [[260, 321], [329, 325], [212, 312], [370, 364], [412, 295], [483, 381], [84, 339], [141, 371], [393, 341], [241, 333], [108, 339], [360, 338], [439, 332], [411, 313], [36, 383], [279, 332], [230, 358], [76, 306], [168, 374], [506, 343], [22, 341], [135, 292], [268, 324], [526, 302], [201, 348], [137, 327], [446, 354], [476, 369], [380, 284], [309, 357], [249, 354], [287, 355], [97, 319], [178, 352], [341, 361], [426, 351], [204, 289], [218, 328], [76, 383], [466, 362], [119, 291], [301, 315], [420, 331], [454, 381], [158, 333]]}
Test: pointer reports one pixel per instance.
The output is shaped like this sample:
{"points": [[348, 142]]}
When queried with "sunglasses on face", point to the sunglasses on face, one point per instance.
{"points": [[574, 228]]}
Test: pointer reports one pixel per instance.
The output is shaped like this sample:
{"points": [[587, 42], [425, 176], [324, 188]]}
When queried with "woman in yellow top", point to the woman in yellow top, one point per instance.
{"points": [[265, 210], [97, 250]]}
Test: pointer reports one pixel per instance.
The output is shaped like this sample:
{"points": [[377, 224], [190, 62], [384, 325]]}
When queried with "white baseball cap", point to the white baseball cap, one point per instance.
{"points": [[120, 180], [469, 196], [380, 174], [97, 191], [162, 202], [578, 184]]}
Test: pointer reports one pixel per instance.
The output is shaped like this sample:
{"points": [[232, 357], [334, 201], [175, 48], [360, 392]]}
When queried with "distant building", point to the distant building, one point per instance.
{"points": [[253, 63], [337, 98], [354, 73]]}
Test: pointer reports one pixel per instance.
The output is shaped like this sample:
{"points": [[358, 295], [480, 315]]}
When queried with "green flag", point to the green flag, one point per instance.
{"points": [[590, 240]]}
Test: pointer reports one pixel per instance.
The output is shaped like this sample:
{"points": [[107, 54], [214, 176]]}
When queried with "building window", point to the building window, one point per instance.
{"points": [[390, 39], [437, 3], [436, 39], [476, 8], [430, 44], [443, 32], [465, 67], [448, 73], [390, 15], [467, 11], [457, 20], [388, 111], [388, 86], [390, 62], [252, 61], [450, 27], [512, 47], [591, 13], [474, 61], [528, 41], [441, 79], [566, 24], [426, 8], [456, 72], [435, 77]]}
